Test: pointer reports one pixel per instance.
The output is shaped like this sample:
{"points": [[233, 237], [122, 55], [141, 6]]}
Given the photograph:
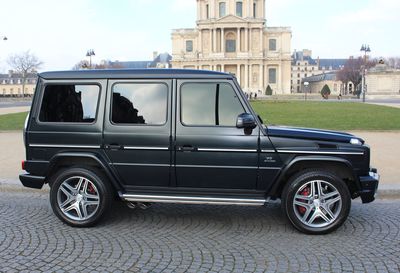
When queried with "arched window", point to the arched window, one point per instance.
{"points": [[239, 9], [222, 9], [230, 42]]}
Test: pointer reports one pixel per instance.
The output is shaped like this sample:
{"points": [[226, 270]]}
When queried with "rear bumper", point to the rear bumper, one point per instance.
{"points": [[32, 181], [369, 186]]}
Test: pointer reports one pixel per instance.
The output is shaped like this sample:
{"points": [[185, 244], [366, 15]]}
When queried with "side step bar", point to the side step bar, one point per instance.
{"points": [[192, 200]]}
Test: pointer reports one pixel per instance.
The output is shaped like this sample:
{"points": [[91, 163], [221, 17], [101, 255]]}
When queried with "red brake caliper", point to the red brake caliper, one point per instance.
{"points": [[91, 189], [305, 192]]}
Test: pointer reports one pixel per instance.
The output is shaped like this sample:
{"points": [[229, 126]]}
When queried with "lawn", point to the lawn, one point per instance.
{"points": [[329, 115], [323, 114], [12, 121]]}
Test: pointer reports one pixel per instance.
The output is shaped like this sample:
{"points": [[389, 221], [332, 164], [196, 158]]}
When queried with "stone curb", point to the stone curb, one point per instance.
{"points": [[386, 192]]}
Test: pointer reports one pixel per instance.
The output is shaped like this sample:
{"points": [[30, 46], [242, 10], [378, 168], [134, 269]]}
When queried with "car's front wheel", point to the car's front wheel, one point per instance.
{"points": [[316, 201], [80, 197]]}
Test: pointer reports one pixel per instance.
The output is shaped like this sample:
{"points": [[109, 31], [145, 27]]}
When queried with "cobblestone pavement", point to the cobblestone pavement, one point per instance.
{"points": [[189, 238]]}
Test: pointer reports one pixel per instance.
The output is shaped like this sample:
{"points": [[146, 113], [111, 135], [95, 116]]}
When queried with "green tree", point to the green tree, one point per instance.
{"points": [[326, 91], [268, 91]]}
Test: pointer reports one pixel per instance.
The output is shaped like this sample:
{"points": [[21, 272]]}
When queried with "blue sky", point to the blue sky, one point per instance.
{"points": [[60, 32]]}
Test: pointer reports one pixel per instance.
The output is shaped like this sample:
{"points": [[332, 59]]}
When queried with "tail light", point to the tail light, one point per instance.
{"points": [[23, 164]]}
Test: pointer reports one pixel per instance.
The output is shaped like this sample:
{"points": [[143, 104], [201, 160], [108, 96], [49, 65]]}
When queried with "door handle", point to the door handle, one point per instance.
{"points": [[114, 147], [186, 148]]}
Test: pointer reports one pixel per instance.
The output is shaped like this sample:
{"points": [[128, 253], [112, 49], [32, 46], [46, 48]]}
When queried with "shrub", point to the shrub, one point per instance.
{"points": [[268, 91], [326, 91]]}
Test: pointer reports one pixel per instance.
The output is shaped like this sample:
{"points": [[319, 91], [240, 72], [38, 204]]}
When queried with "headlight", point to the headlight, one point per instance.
{"points": [[355, 141]]}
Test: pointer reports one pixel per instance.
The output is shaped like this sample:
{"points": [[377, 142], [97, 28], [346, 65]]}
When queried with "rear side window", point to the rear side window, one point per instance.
{"points": [[70, 103], [209, 104], [139, 103]]}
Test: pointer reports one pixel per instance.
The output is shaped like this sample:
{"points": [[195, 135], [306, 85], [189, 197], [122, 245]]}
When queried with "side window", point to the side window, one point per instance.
{"points": [[69, 103], [139, 103], [209, 104]]}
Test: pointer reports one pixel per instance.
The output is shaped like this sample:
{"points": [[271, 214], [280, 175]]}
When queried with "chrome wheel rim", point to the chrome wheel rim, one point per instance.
{"points": [[78, 198], [317, 204]]}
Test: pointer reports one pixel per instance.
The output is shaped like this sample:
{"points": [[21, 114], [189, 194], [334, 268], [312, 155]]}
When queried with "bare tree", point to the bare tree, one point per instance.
{"points": [[81, 65], [103, 65], [24, 63], [352, 70], [393, 62]]}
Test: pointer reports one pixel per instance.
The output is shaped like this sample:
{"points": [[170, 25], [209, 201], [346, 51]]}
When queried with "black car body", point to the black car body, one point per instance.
{"points": [[180, 136]]}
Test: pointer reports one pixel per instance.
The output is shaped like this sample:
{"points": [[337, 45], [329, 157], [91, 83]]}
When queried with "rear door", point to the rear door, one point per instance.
{"points": [[210, 151], [137, 131]]}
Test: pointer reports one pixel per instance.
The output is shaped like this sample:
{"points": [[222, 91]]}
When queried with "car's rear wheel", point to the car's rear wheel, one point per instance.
{"points": [[79, 196], [316, 201]]}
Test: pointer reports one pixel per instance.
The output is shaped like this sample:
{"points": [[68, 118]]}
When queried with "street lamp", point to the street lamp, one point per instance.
{"points": [[89, 54], [306, 84], [366, 49]]}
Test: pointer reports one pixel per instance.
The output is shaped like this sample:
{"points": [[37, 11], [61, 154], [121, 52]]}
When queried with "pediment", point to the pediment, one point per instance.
{"points": [[231, 19]]}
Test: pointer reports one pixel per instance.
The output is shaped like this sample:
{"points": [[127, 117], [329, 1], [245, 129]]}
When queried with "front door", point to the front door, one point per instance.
{"points": [[137, 131], [210, 151]]}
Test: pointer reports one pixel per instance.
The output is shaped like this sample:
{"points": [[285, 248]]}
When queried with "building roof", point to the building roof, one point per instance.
{"points": [[331, 76], [336, 64], [134, 73]]}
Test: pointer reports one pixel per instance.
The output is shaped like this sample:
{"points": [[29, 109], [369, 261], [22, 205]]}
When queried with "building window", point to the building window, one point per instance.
{"points": [[209, 104], [222, 9], [272, 44], [298, 89], [298, 81], [298, 68], [139, 103], [305, 75], [272, 75], [69, 103], [298, 75], [189, 46], [254, 10], [239, 9], [305, 68], [230, 45], [207, 12]]}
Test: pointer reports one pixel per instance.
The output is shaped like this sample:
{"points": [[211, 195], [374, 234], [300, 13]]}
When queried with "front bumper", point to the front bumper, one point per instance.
{"points": [[369, 186], [32, 181]]}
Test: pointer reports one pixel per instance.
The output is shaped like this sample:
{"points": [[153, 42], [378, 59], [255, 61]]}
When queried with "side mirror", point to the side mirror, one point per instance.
{"points": [[246, 121]]}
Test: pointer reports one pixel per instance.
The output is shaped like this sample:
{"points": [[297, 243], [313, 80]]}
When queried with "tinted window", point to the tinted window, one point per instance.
{"points": [[139, 103], [209, 104], [69, 103]]}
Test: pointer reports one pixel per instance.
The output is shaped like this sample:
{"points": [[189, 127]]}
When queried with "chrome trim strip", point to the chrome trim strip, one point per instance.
{"points": [[268, 151], [319, 152], [146, 148], [270, 168], [64, 146], [192, 200], [227, 150], [216, 167], [141, 164]]}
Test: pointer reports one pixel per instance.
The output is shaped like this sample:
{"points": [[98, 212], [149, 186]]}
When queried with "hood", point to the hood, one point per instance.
{"points": [[308, 133]]}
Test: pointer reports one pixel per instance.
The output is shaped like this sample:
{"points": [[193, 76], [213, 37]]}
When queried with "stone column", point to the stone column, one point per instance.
{"points": [[261, 40], [238, 74], [238, 49], [222, 40], [250, 42], [246, 77], [250, 75], [210, 40], [261, 77], [222, 68], [198, 10], [246, 40], [200, 43], [215, 40]]}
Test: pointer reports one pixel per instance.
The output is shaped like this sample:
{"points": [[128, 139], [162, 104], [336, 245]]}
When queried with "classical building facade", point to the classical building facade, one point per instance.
{"points": [[231, 36], [382, 80], [304, 66], [11, 84]]}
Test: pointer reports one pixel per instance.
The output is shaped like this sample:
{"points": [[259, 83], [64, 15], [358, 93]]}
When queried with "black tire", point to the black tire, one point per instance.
{"points": [[100, 187], [303, 182]]}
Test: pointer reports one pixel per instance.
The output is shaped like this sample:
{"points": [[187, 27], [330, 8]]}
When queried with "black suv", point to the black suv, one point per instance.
{"points": [[182, 136]]}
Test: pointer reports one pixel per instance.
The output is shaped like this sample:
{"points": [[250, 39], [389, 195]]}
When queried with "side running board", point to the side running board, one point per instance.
{"points": [[192, 200]]}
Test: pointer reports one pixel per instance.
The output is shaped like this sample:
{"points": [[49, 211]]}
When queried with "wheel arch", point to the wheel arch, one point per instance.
{"points": [[339, 166], [63, 160]]}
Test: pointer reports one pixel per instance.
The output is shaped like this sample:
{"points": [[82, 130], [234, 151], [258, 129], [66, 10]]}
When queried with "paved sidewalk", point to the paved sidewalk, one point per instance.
{"points": [[396, 105], [11, 110]]}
